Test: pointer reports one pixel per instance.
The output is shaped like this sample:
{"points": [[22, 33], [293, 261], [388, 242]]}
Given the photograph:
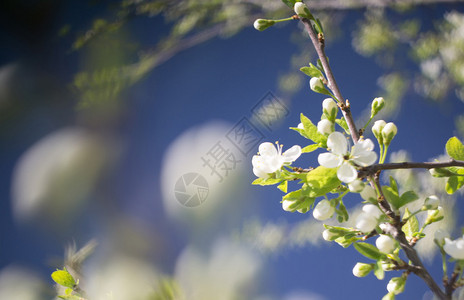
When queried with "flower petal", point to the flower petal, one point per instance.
{"points": [[267, 149], [367, 159], [361, 147], [337, 143], [291, 154], [260, 173], [347, 173], [329, 160]]}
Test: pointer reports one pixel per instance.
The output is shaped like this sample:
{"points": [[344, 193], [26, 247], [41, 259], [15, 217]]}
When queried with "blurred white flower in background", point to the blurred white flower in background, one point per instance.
{"points": [[54, 177], [190, 162], [224, 273]]}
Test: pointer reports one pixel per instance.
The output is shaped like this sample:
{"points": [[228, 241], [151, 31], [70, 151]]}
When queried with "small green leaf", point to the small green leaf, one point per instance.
{"points": [[378, 270], [342, 123], [392, 196], [311, 71], [310, 132], [368, 250], [321, 181], [347, 240], [289, 3], [283, 186], [266, 181], [342, 213], [62, 277], [455, 148], [454, 183], [407, 197], [394, 185], [412, 225], [310, 148]]}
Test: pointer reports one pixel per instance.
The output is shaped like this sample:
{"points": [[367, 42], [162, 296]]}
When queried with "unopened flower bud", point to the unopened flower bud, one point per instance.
{"points": [[316, 84], [396, 285], [388, 133], [328, 235], [431, 202], [385, 244], [434, 215], [325, 127], [440, 236], [362, 269], [369, 194], [323, 210], [377, 105], [302, 10], [300, 126], [330, 109], [356, 186], [262, 24], [289, 205], [377, 130]]}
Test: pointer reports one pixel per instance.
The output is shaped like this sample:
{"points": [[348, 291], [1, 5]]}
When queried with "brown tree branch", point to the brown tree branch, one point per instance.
{"points": [[370, 170]]}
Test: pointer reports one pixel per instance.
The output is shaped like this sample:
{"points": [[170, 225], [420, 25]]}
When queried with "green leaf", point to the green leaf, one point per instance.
{"points": [[311, 71], [283, 186], [368, 250], [342, 123], [455, 148], [394, 185], [62, 277], [289, 3], [347, 240], [454, 183], [321, 181], [266, 181], [300, 200], [412, 225], [310, 132], [407, 197], [310, 148], [378, 270], [392, 196], [342, 213]]}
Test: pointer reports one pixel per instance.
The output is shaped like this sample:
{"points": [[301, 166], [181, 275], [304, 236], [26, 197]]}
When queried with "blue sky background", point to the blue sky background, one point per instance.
{"points": [[217, 81]]}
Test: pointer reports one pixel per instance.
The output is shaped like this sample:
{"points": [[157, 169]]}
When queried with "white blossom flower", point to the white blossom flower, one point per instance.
{"points": [[361, 155], [455, 248], [271, 159], [385, 244], [323, 210], [325, 127], [369, 218]]}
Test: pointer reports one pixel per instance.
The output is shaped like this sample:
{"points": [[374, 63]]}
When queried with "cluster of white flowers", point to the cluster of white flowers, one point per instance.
{"points": [[361, 154], [271, 159]]}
